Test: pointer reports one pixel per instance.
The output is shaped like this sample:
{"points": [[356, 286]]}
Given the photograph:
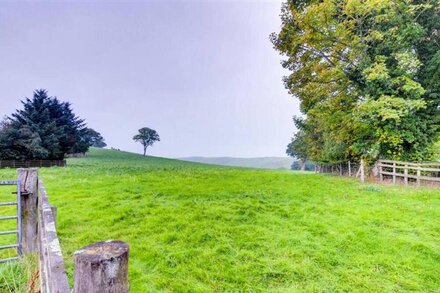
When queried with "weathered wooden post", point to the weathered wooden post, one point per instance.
{"points": [[419, 173], [102, 267], [54, 210], [394, 172], [380, 170], [405, 171], [29, 208], [362, 171], [349, 168]]}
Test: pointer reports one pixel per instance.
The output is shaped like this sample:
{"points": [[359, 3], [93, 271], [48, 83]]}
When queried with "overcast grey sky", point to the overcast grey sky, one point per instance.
{"points": [[203, 74]]}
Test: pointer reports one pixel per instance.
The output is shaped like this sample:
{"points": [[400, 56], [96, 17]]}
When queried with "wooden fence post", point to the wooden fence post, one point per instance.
{"points": [[394, 173], [349, 168], [380, 171], [54, 210], [29, 209], [405, 171], [102, 267], [418, 174], [362, 171]]}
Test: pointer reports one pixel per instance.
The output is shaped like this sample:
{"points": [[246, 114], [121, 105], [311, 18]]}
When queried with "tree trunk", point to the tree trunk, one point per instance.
{"points": [[362, 170], [303, 165], [145, 151]]}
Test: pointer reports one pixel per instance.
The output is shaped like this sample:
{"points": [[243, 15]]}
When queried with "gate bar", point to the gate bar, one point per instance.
{"points": [[8, 218], [8, 182], [17, 203], [8, 259], [8, 232], [8, 246], [11, 203]]}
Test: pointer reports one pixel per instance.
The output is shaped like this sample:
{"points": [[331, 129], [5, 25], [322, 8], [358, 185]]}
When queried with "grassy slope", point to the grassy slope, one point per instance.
{"points": [[201, 228], [263, 162]]}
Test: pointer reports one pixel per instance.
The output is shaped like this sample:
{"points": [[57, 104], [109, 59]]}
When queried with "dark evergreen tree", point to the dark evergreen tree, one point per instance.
{"points": [[45, 128], [19, 143]]}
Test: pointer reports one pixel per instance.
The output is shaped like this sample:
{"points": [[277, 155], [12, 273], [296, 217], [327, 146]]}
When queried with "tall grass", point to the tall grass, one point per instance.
{"points": [[15, 276]]}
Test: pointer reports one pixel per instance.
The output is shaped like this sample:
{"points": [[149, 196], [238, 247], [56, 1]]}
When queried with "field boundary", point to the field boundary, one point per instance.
{"points": [[52, 270], [32, 163], [39, 236], [408, 171]]}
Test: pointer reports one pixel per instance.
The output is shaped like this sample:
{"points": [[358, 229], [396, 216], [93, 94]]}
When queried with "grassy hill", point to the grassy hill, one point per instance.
{"points": [[202, 228], [263, 162]]}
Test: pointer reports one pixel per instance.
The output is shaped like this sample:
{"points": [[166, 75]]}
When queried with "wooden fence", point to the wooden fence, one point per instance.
{"points": [[343, 169], [408, 172], [31, 163], [99, 267], [52, 271], [388, 171], [76, 155]]}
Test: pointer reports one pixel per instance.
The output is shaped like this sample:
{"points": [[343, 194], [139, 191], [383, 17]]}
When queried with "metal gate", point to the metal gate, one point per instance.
{"points": [[16, 217]]}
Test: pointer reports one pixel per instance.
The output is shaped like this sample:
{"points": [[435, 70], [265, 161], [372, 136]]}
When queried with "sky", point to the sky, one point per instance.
{"points": [[203, 74]]}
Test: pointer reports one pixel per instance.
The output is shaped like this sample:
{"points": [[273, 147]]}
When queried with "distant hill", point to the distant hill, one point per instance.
{"points": [[263, 162]]}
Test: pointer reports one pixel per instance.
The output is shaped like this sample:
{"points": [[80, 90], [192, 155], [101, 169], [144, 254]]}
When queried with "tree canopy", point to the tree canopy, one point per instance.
{"points": [[367, 74], [45, 128], [147, 137], [94, 138]]}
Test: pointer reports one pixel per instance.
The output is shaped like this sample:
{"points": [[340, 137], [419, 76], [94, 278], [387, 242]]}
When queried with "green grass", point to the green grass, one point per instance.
{"points": [[15, 276], [200, 228]]}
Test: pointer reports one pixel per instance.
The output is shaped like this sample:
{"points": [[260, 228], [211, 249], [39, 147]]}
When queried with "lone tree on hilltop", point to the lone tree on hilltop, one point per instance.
{"points": [[146, 137]]}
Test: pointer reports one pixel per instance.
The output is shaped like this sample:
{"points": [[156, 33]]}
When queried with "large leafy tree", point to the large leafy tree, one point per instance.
{"points": [[95, 138], [297, 148], [88, 137], [147, 137], [45, 128], [367, 75]]}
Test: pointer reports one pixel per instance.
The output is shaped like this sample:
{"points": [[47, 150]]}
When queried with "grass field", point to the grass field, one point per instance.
{"points": [[200, 228]]}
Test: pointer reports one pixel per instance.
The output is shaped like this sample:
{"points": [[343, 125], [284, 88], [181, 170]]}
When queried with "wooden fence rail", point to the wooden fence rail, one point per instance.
{"points": [[31, 163], [408, 171], [53, 276], [388, 170], [343, 169], [101, 269]]}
